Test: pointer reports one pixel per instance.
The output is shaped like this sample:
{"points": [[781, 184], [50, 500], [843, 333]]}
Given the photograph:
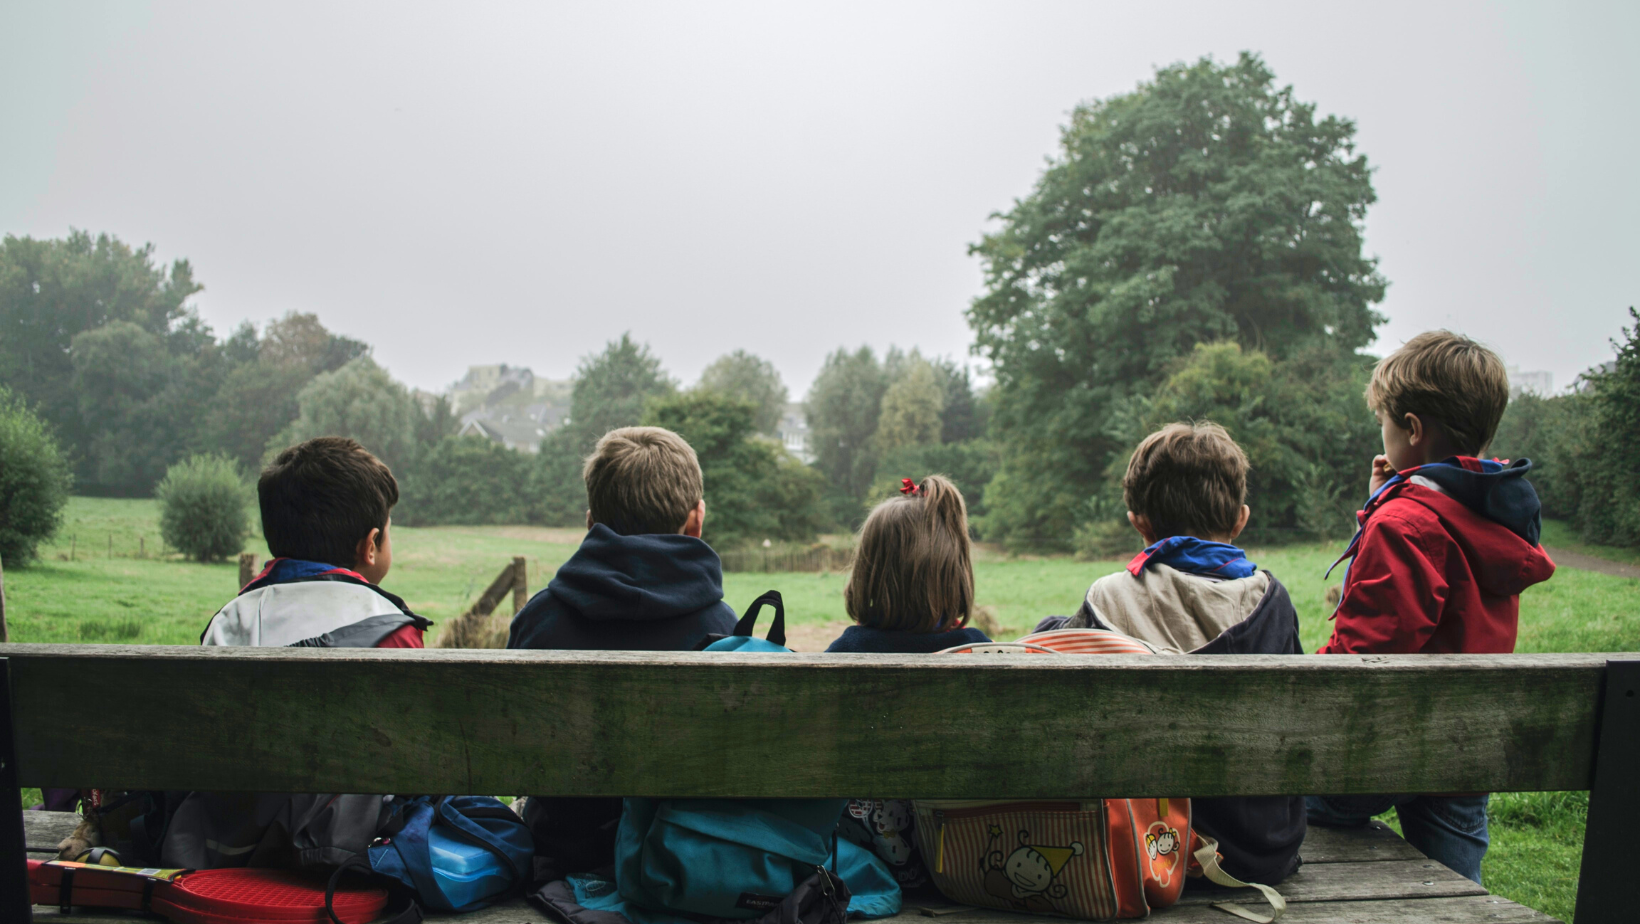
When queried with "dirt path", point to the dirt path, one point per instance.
{"points": [[1570, 559]]}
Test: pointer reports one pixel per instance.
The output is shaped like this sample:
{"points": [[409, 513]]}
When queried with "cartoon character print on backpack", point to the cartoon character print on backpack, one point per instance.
{"points": [[885, 827], [1162, 851], [1027, 878]]}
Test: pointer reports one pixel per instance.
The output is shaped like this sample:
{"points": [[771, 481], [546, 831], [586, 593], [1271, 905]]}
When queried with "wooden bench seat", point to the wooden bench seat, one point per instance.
{"points": [[979, 726]]}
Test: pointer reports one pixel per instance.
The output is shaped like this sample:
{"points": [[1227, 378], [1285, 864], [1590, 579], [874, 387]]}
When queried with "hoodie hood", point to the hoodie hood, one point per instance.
{"points": [[309, 604], [1496, 490], [1462, 489], [638, 578]]}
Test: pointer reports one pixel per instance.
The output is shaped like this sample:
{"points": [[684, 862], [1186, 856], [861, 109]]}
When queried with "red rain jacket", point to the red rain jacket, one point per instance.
{"points": [[1440, 563]]}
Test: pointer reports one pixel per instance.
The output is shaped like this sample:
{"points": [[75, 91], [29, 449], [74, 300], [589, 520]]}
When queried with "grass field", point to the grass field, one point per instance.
{"points": [[98, 597]]}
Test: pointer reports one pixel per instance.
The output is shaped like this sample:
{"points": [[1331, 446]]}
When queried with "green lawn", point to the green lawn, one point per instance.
{"points": [[163, 600]]}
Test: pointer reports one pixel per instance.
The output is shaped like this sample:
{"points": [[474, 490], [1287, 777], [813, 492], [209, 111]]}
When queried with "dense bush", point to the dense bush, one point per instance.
{"points": [[34, 481], [202, 507], [466, 480]]}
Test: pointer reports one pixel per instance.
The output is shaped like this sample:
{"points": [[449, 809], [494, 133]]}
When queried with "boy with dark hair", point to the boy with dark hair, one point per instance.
{"points": [[1193, 590], [642, 580], [1446, 544], [326, 509]]}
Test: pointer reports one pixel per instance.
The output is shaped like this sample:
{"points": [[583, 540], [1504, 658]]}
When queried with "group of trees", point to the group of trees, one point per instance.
{"points": [[874, 421], [1194, 251], [1584, 447]]}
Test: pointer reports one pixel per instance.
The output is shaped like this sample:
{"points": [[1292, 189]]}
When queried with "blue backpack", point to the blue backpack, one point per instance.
{"points": [[456, 853], [738, 858]]}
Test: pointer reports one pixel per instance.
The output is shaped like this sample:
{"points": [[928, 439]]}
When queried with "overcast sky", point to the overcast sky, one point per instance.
{"points": [[466, 183]]}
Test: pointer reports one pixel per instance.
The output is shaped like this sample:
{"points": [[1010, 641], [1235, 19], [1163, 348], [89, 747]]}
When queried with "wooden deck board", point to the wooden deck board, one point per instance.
{"points": [[1363, 875]]}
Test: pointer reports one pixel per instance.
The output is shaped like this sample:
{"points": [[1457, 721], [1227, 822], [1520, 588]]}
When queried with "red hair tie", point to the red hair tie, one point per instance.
{"points": [[907, 486]]}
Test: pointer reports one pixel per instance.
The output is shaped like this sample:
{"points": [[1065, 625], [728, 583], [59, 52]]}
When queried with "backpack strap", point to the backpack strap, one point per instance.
{"points": [[410, 914], [748, 622], [1208, 856]]}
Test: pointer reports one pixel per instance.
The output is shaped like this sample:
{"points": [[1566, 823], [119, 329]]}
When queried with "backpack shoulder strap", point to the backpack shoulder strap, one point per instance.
{"points": [[748, 622]]}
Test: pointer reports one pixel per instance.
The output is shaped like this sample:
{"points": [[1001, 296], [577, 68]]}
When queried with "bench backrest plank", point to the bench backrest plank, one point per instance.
{"points": [[614, 723]]}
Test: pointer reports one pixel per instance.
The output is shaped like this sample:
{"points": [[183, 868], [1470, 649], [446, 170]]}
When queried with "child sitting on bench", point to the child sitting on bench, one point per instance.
{"points": [[326, 511], [1193, 590], [1446, 545], [642, 581]]}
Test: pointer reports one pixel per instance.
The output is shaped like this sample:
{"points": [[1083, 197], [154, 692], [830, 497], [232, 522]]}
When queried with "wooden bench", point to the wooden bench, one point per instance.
{"points": [[680, 725]]}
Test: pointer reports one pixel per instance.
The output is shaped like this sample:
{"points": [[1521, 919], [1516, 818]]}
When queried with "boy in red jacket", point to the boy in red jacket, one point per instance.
{"points": [[1447, 543]]}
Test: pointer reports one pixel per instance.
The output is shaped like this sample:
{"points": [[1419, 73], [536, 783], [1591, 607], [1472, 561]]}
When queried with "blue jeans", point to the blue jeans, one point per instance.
{"points": [[1448, 829]]}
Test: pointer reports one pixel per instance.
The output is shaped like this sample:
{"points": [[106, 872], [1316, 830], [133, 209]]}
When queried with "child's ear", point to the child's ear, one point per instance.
{"points": [[1141, 523], [1241, 522], [696, 522], [369, 547], [589, 519]]}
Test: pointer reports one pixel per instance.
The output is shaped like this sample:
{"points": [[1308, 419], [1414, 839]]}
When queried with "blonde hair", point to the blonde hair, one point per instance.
{"points": [[642, 480], [913, 562], [1188, 479], [1447, 379]]}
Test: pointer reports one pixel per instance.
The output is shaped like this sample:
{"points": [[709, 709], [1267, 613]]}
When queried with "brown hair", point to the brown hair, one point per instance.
{"points": [[913, 563], [319, 498], [642, 480], [1188, 479], [1448, 380]]}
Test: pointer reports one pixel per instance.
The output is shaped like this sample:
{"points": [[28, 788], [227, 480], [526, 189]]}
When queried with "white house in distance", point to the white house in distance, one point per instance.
{"points": [[793, 432], [1541, 384], [509, 405]]}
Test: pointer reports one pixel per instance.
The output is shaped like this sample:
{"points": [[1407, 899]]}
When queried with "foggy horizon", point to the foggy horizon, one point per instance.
{"points": [[460, 186]]}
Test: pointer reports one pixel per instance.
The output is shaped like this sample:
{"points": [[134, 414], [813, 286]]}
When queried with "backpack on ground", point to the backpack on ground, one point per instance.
{"points": [[1097, 859], [740, 858], [455, 853]]}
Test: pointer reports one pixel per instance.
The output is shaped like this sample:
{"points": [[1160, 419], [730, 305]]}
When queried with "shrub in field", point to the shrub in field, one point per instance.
{"points": [[202, 507], [34, 481]]}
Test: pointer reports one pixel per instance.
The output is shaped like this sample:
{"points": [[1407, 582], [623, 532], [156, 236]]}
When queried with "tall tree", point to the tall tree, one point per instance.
{"points": [[912, 408], [843, 407], [612, 389], [745, 377], [258, 395], [754, 489], [52, 290], [359, 400], [962, 419], [1208, 204]]}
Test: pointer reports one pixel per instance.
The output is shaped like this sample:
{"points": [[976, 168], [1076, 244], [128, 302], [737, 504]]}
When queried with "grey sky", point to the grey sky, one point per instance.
{"points": [[468, 183]]}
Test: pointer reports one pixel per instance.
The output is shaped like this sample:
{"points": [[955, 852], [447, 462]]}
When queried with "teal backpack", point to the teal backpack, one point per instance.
{"points": [[738, 858]]}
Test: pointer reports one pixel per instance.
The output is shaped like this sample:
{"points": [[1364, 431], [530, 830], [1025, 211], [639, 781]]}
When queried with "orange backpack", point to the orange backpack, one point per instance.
{"points": [[1099, 859]]}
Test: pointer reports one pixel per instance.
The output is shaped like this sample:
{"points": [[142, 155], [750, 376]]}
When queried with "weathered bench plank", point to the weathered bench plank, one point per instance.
{"points": [[43, 831], [1375, 841], [802, 725], [1370, 881]]}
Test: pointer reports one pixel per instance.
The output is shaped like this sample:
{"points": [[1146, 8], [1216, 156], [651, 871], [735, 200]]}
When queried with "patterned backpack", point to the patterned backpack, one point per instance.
{"points": [[1098, 859]]}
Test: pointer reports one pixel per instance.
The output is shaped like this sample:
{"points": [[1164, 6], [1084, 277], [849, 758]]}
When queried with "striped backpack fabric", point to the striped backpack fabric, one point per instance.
{"points": [[1095, 859]]}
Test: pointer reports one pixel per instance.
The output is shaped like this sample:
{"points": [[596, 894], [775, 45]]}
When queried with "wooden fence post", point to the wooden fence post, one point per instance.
{"points": [[247, 568], [520, 583]]}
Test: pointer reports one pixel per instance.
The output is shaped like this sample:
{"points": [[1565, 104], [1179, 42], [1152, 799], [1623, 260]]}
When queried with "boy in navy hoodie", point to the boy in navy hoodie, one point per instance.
{"points": [[1192, 590], [642, 581], [1447, 543]]}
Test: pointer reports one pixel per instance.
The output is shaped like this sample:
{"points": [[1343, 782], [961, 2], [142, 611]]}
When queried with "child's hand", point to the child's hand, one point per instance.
{"points": [[1382, 471]]}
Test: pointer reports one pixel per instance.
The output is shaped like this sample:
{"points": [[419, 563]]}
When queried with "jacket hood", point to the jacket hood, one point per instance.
{"points": [[1495, 490], [1502, 549], [1179, 612], [638, 578]]}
